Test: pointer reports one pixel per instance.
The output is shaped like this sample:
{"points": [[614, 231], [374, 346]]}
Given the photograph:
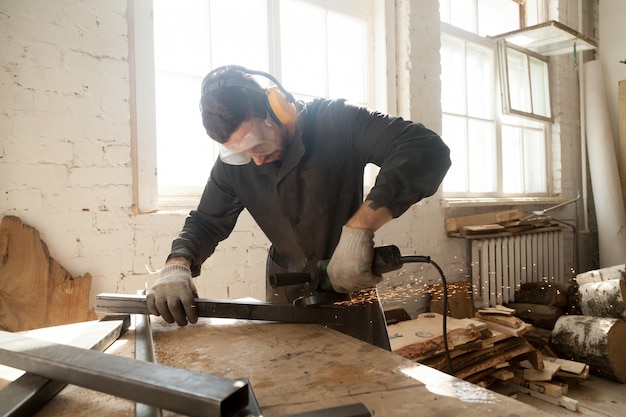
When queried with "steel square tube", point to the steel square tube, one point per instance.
{"points": [[178, 390], [231, 309], [29, 393]]}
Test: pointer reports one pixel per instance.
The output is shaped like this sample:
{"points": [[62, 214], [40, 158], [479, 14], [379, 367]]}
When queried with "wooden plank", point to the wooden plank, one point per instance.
{"points": [[423, 337], [525, 327], [509, 321], [37, 291], [479, 230], [567, 365], [551, 389], [460, 303], [563, 401], [454, 224], [477, 361], [497, 309], [545, 374]]}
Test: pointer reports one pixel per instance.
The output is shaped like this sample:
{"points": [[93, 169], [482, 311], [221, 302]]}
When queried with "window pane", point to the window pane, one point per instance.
{"points": [[453, 76], [242, 40], [454, 134], [303, 45], [535, 161], [479, 81], [463, 14], [179, 130], [519, 84], [347, 50], [482, 157], [540, 89], [497, 16], [512, 153], [181, 36]]}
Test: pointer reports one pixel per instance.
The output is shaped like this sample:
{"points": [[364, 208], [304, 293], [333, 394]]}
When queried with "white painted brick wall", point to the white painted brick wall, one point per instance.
{"points": [[65, 153]]}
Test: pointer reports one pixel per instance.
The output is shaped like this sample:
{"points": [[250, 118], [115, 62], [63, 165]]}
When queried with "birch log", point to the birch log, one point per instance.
{"points": [[602, 274], [603, 299], [597, 341]]}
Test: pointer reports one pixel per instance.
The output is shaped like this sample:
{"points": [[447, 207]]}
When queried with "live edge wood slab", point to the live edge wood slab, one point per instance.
{"points": [[295, 368]]}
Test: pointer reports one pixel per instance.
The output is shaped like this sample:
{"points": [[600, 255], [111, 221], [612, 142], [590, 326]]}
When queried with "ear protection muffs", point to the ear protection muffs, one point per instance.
{"points": [[279, 101]]}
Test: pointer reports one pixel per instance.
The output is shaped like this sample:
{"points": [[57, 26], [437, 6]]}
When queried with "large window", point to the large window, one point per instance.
{"points": [[493, 154], [315, 48]]}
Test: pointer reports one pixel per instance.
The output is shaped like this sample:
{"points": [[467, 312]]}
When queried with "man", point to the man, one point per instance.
{"points": [[298, 169]]}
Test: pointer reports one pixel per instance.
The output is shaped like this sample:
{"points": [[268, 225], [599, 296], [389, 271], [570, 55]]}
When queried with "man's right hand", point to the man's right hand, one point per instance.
{"points": [[173, 295]]}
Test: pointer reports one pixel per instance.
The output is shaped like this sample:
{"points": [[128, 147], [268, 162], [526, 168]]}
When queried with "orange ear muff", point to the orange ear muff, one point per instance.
{"points": [[280, 107]]}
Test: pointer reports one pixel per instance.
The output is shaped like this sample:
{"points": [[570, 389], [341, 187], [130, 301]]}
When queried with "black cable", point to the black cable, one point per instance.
{"points": [[426, 259]]}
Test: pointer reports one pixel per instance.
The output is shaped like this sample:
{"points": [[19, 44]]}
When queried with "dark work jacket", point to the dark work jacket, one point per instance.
{"points": [[302, 203]]}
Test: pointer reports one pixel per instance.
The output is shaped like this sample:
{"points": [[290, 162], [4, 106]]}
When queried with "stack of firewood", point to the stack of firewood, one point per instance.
{"points": [[598, 335], [487, 349], [542, 303]]}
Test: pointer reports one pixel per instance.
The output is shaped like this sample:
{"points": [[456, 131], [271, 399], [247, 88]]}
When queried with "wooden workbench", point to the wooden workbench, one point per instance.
{"points": [[296, 368]]}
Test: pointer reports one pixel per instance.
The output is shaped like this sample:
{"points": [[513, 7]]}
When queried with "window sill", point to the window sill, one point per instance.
{"points": [[500, 201]]}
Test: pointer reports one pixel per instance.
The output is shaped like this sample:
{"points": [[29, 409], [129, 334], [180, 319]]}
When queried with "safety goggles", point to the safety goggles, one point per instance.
{"points": [[260, 140]]}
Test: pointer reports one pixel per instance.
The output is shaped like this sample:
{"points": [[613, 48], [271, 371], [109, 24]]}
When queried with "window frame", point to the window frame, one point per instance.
{"points": [[146, 196], [503, 69], [498, 194]]}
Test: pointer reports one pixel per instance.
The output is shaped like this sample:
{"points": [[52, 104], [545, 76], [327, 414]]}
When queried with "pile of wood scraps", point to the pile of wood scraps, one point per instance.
{"points": [[494, 223], [542, 303], [480, 350], [489, 350], [548, 380]]}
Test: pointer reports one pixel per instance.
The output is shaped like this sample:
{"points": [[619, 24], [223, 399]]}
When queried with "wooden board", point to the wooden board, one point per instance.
{"points": [[296, 368], [510, 331], [36, 290], [454, 224], [460, 303], [423, 337], [509, 321]]}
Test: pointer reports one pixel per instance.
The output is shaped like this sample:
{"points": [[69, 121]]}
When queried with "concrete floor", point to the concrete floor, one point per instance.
{"points": [[597, 397]]}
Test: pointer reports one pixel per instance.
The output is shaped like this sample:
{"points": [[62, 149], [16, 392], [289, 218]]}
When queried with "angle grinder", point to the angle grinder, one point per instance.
{"points": [[386, 259]]}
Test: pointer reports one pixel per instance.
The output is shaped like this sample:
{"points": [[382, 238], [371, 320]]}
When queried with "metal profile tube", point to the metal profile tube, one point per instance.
{"points": [[29, 393], [351, 410], [144, 351], [232, 309], [178, 390]]}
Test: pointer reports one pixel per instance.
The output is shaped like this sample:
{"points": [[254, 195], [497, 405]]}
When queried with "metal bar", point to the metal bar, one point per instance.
{"points": [[178, 390], [144, 351], [352, 410], [232, 309], [29, 393], [252, 409]]}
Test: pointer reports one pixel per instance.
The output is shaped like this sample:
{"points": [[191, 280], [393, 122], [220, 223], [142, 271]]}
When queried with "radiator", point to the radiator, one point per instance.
{"points": [[500, 265]]}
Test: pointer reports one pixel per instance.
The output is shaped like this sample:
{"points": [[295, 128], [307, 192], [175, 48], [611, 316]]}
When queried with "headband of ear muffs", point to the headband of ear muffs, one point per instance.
{"points": [[279, 102]]}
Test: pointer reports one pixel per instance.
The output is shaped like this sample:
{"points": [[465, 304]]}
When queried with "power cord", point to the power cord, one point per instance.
{"points": [[426, 259]]}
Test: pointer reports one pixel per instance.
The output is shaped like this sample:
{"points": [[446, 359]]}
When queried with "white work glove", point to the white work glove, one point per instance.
{"points": [[173, 295], [350, 267]]}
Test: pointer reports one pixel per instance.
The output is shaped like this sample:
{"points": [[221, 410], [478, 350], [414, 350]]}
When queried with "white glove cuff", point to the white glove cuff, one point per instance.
{"points": [[353, 238], [174, 268]]}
